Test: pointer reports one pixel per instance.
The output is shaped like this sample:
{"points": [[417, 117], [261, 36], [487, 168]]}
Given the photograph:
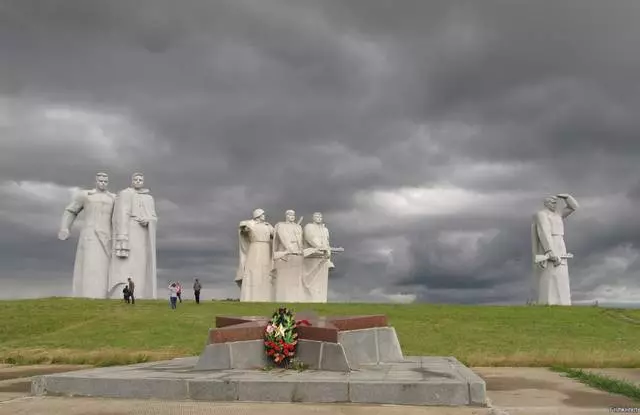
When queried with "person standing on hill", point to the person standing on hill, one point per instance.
{"points": [[179, 288], [127, 296], [196, 290], [132, 287], [173, 295]]}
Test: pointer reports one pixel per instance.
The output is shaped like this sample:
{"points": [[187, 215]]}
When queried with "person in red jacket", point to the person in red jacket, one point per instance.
{"points": [[179, 287]]}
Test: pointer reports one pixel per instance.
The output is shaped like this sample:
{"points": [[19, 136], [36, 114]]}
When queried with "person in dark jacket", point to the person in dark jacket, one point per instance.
{"points": [[132, 287], [196, 290]]}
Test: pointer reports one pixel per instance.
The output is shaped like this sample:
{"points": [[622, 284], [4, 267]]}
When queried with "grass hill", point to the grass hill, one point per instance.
{"points": [[107, 332]]}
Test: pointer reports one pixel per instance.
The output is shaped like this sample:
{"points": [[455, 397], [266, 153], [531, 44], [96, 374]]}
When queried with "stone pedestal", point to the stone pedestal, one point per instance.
{"points": [[337, 344]]}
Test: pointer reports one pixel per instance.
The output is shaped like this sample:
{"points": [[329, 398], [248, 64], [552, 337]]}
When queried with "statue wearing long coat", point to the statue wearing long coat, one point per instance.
{"points": [[134, 227], [91, 268], [551, 280]]}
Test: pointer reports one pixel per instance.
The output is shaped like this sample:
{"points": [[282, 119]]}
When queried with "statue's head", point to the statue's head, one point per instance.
{"points": [[137, 180], [317, 217], [258, 215], [102, 181], [551, 203], [290, 215]]}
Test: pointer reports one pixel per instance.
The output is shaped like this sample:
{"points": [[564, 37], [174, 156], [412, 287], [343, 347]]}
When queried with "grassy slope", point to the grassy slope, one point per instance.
{"points": [[110, 332]]}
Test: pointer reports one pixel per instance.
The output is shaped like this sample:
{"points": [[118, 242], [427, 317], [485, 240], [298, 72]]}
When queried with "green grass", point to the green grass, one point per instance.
{"points": [[107, 332], [604, 383]]}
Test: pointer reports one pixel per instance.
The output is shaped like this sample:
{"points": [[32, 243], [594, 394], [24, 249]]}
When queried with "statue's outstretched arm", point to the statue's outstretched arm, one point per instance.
{"points": [[572, 204]]}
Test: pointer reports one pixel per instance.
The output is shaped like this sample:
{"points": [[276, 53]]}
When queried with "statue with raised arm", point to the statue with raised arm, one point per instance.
{"points": [[551, 272], [288, 260], [317, 260], [134, 248], [93, 254], [254, 270]]}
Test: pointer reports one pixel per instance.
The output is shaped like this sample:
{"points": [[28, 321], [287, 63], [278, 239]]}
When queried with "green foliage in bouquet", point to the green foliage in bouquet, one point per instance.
{"points": [[281, 338]]}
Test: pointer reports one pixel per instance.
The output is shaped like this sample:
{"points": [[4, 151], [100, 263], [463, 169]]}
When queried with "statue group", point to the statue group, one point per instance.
{"points": [[117, 240], [284, 263]]}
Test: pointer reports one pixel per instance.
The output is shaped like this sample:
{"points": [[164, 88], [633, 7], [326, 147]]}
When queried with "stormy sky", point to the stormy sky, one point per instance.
{"points": [[427, 132]]}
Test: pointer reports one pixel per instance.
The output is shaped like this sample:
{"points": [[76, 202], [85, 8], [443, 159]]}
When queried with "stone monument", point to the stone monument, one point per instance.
{"points": [[288, 259], [254, 270], [91, 269], [331, 343], [551, 273], [317, 261], [134, 228], [355, 359]]}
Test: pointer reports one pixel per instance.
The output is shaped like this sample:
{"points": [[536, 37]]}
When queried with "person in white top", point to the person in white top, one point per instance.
{"points": [[173, 294]]}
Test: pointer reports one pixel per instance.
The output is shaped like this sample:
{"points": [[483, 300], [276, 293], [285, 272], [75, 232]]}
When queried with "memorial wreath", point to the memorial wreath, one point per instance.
{"points": [[281, 337]]}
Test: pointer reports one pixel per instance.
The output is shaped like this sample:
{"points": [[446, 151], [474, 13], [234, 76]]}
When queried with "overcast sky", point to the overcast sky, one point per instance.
{"points": [[428, 133]]}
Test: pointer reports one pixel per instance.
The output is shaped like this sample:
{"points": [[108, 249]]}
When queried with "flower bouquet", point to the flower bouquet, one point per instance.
{"points": [[281, 337]]}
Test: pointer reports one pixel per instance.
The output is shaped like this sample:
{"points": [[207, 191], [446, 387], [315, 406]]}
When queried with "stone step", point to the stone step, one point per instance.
{"points": [[415, 381]]}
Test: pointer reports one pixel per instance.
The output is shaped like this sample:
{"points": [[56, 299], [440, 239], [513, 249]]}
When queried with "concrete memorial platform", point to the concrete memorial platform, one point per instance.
{"points": [[416, 381], [349, 359]]}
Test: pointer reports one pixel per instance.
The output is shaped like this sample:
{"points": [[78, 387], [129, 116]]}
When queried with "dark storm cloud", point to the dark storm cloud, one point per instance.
{"points": [[317, 105]]}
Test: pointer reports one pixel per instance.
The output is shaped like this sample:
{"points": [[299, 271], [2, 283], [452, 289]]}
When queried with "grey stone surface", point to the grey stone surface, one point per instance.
{"points": [[233, 355], [477, 386], [410, 392], [309, 352], [360, 346], [248, 355], [321, 391], [389, 349], [260, 391], [215, 356], [334, 358], [109, 387], [212, 390], [416, 381], [38, 386], [374, 345]]}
